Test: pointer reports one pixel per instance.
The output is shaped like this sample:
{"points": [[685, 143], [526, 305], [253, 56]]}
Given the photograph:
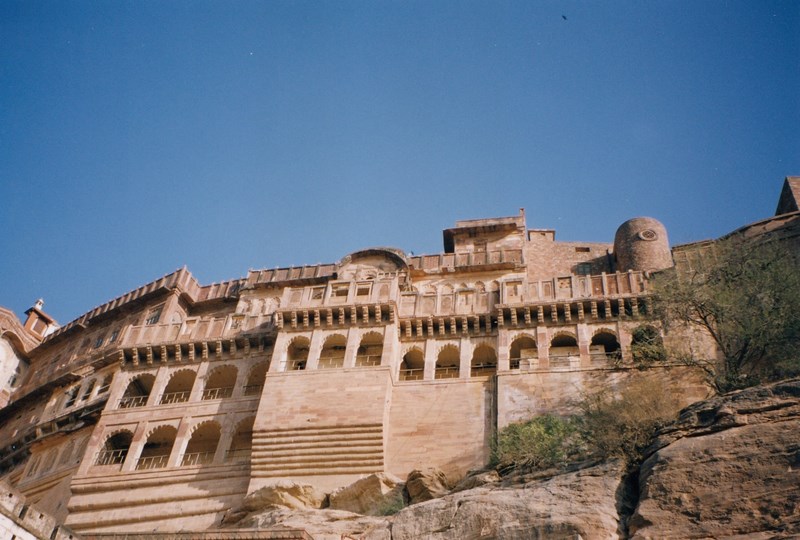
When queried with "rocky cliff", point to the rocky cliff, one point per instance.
{"points": [[728, 468]]}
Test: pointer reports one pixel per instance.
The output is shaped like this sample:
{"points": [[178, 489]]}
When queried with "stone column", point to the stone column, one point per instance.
{"points": [[161, 381], [391, 343], [503, 352], [181, 442], [135, 449], [314, 350], [465, 358], [353, 341], [199, 382], [430, 360], [278, 361], [543, 347], [225, 437], [584, 340]]}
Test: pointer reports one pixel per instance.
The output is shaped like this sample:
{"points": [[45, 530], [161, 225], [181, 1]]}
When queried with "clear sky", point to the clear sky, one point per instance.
{"points": [[140, 136]]}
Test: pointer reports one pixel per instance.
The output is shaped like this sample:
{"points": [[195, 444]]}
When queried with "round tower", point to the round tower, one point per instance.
{"points": [[641, 244]]}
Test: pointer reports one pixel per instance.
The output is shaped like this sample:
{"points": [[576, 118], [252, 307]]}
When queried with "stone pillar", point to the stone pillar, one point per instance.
{"points": [[135, 449], [353, 341], [199, 382], [225, 438], [161, 381], [465, 358], [181, 442], [391, 344], [278, 361], [503, 351], [241, 378], [584, 340], [543, 347], [314, 350], [430, 360], [89, 456]]}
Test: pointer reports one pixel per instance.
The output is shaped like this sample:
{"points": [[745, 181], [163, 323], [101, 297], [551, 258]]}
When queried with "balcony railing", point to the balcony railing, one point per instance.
{"points": [[563, 360], [152, 462], [368, 360], [174, 397], [446, 373], [415, 374], [129, 402], [111, 457], [218, 393], [197, 458], [331, 362], [483, 370], [604, 358]]}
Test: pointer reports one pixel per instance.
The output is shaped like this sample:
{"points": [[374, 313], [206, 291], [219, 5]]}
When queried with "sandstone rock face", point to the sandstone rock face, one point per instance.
{"points": [[477, 479], [729, 467], [323, 524], [369, 496], [284, 494], [426, 484]]}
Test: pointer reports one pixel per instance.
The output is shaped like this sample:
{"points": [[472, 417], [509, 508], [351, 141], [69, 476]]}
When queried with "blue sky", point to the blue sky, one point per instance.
{"points": [[138, 137]]}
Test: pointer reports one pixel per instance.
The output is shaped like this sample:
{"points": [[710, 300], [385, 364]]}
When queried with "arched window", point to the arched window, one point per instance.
{"points": [[604, 347], [179, 387], [563, 349], [72, 396], [242, 441], [157, 449], [522, 348], [115, 449], [137, 392], [88, 391], [370, 350], [256, 379], [412, 368], [203, 445], [297, 354], [220, 383], [332, 355], [484, 361], [447, 363]]}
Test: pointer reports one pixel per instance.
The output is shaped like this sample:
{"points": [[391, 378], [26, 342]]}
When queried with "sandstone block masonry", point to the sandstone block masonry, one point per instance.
{"points": [[161, 409]]}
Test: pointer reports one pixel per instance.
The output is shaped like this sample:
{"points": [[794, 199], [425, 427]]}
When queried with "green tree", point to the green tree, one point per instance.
{"points": [[746, 296]]}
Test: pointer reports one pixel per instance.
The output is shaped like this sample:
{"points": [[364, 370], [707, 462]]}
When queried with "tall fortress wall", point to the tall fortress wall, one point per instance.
{"points": [[163, 408]]}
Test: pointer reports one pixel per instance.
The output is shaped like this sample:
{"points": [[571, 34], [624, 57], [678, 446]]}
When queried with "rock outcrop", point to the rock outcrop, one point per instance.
{"points": [[373, 495], [729, 467], [426, 484]]}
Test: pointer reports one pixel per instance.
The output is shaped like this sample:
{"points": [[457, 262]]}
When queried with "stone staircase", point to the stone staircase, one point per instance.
{"points": [[317, 451]]}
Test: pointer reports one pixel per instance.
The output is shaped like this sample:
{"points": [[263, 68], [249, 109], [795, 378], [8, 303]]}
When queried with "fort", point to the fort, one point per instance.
{"points": [[161, 409]]}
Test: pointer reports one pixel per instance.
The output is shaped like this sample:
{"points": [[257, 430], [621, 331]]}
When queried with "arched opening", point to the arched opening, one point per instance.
{"points": [[484, 361], [447, 363], [115, 449], [203, 445], [412, 368], [157, 449], [563, 350], [297, 354], [332, 355], [220, 383], [179, 387], [256, 379], [604, 347], [522, 348], [242, 441], [137, 392], [370, 350]]}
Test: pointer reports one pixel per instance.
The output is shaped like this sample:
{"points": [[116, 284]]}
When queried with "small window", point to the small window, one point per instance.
{"points": [[99, 342], [105, 384], [88, 391], [584, 269], [317, 292], [363, 289], [114, 336], [340, 291], [583, 250], [154, 315]]}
